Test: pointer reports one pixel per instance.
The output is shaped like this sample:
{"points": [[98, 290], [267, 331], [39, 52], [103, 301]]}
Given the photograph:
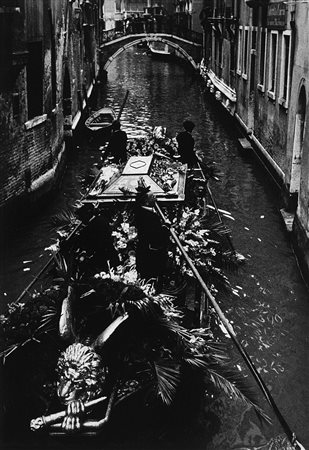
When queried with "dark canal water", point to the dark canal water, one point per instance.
{"points": [[270, 308]]}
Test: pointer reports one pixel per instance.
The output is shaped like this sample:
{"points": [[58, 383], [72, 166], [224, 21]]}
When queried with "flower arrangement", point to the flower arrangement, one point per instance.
{"points": [[156, 142], [203, 247], [22, 322], [125, 236], [165, 173]]}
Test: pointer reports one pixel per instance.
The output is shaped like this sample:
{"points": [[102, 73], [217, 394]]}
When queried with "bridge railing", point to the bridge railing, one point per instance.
{"points": [[138, 28]]}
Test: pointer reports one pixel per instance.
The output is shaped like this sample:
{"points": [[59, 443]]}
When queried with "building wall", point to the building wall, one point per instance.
{"points": [[271, 93], [264, 101], [34, 117], [197, 6], [298, 147], [218, 66], [238, 56]]}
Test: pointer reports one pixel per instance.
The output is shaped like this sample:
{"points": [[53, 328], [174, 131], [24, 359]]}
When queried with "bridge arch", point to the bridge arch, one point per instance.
{"points": [[146, 38]]}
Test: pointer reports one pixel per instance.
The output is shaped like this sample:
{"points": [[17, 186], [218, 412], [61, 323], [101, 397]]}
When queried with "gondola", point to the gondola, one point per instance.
{"points": [[100, 122], [163, 54], [100, 338]]}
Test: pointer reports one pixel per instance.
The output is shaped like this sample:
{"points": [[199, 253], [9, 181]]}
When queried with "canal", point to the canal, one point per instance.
{"points": [[269, 309]]}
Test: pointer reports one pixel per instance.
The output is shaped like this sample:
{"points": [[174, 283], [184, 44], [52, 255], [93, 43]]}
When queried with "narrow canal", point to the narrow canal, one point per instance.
{"points": [[270, 308]]}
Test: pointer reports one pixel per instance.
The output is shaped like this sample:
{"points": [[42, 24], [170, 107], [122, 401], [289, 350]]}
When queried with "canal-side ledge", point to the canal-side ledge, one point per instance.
{"points": [[224, 98]]}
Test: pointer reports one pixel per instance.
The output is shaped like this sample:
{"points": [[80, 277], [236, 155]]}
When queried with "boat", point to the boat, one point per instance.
{"points": [[100, 122], [91, 340], [160, 53]]}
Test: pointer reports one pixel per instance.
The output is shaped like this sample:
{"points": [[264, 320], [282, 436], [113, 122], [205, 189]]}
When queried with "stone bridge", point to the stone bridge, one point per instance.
{"points": [[188, 50]]}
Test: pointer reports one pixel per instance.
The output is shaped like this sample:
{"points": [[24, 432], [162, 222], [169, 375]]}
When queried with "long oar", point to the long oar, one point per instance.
{"points": [[46, 266], [228, 238], [291, 435], [123, 105]]}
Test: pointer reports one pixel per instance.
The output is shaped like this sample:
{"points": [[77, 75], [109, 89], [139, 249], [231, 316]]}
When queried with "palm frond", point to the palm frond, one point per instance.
{"points": [[167, 377], [233, 385], [197, 361], [174, 330], [63, 219], [48, 321], [219, 228], [61, 263]]}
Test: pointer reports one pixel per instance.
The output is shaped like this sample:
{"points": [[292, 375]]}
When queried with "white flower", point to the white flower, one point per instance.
{"points": [[125, 227], [54, 248]]}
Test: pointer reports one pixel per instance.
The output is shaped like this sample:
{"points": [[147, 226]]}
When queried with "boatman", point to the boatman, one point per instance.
{"points": [[95, 240], [117, 146], [153, 239], [186, 143]]}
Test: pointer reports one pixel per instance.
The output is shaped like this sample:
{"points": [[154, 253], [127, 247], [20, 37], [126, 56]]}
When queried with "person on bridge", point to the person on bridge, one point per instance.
{"points": [[117, 146], [186, 143]]}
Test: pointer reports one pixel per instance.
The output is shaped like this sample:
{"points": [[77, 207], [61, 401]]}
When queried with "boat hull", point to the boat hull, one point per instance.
{"points": [[100, 122], [160, 54]]}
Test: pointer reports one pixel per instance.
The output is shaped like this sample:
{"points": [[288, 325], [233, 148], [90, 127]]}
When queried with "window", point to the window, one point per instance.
{"points": [[253, 59], [263, 42], [232, 57], [35, 80], [245, 54], [272, 76], [118, 5], [220, 44], [285, 68], [253, 38], [239, 49]]}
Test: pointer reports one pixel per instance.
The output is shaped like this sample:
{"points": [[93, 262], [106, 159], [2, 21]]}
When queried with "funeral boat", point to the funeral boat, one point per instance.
{"points": [[91, 339]]}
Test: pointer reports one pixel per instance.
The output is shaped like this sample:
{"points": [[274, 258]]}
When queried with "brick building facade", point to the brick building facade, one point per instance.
{"points": [[47, 67]]}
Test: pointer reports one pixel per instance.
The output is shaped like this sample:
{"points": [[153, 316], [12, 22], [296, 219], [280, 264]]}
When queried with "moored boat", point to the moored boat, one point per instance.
{"points": [[160, 53], [100, 122]]}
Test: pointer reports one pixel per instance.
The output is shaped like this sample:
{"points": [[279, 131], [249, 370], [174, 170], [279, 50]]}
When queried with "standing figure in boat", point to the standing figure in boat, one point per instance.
{"points": [[186, 143], [117, 146], [95, 241], [153, 238]]}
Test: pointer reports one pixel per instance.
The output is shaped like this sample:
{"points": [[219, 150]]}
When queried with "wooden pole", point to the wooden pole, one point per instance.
{"points": [[46, 266], [123, 105], [291, 436]]}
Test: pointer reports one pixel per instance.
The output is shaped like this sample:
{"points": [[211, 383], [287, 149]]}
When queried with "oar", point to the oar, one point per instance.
{"points": [[291, 435], [46, 266], [228, 238], [123, 105]]}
